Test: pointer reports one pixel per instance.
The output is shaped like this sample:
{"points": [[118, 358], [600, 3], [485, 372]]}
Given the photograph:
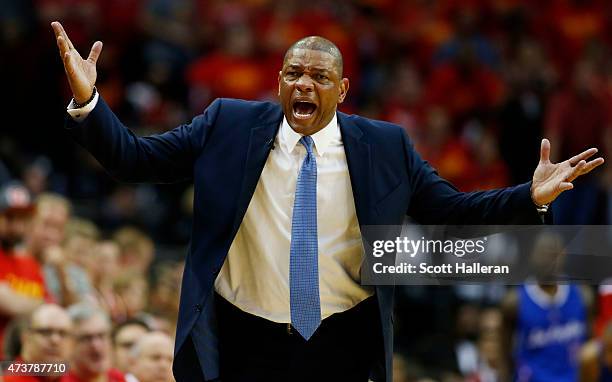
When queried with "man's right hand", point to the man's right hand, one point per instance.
{"points": [[81, 73]]}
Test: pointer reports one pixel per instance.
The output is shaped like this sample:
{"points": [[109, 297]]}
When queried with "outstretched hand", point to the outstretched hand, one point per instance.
{"points": [[551, 179], [81, 73]]}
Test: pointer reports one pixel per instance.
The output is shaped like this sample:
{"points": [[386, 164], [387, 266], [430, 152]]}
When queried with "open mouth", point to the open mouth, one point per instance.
{"points": [[303, 109]]}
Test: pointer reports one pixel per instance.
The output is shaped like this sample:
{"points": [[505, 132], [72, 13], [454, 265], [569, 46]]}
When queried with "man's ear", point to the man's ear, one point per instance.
{"points": [[344, 87], [280, 72]]}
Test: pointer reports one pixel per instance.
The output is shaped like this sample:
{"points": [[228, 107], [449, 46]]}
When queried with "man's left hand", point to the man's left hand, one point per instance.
{"points": [[551, 179]]}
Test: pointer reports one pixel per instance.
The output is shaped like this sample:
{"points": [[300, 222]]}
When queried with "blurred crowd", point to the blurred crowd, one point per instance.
{"points": [[69, 293], [476, 83]]}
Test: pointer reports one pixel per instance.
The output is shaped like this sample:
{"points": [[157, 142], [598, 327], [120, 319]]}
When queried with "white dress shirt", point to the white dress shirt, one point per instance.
{"points": [[255, 275]]}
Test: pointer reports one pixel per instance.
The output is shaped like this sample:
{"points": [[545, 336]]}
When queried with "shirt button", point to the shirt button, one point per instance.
{"points": [[197, 307]]}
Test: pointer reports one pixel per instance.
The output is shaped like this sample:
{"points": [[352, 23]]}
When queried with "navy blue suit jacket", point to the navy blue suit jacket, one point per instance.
{"points": [[224, 151]]}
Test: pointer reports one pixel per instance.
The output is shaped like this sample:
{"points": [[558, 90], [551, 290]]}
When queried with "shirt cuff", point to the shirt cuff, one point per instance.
{"points": [[79, 114]]}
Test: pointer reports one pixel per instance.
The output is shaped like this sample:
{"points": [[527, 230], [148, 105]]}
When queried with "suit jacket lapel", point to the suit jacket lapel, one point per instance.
{"points": [[358, 156], [260, 143]]}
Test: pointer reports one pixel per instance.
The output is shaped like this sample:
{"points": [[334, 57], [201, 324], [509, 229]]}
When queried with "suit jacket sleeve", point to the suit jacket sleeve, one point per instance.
{"points": [[163, 158], [436, 201]]}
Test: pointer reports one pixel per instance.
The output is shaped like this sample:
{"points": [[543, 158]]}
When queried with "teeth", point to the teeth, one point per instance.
{"points": [[303, 109]]}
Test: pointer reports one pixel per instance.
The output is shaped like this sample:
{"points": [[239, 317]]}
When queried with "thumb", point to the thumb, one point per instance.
{"points": [[564, 186], [545, 151], [95, 51]]}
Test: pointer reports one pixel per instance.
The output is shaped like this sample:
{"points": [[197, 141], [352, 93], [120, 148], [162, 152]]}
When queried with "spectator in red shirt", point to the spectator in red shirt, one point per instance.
{"points": [[45, 339], [444, 150], [21, 282], [403, 103], [16, 210], [91, 357], [464, 87], [573, 26], [420, 27], [488, 170], [233, 71]]}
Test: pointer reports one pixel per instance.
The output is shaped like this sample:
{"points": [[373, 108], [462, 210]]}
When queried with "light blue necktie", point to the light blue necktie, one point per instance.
{"points": [[303, 259]]}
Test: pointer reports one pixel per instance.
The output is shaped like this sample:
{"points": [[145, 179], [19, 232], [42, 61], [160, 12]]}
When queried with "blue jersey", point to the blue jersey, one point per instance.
{"points": [[551, 331]]}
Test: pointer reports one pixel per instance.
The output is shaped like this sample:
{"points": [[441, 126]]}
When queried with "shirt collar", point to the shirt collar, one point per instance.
{"points": [[322, 138]]}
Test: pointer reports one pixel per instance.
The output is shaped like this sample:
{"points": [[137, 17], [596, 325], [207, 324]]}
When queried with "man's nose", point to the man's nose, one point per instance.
{"points": [[57, 338], [304, 83]]}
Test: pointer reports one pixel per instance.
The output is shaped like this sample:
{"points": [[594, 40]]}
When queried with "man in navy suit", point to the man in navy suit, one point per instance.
{"points": [[271, 287]]}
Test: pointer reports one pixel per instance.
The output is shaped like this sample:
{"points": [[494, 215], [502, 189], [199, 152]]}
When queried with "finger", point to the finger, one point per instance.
{"points": [[62, 45], [575, 171], [65, 36], [67, 59], [586, 168], [590, 166], [57, 28], [68, 65], [95, 52], [583, 156], [564, 186], [59, 31], [545, 151]]}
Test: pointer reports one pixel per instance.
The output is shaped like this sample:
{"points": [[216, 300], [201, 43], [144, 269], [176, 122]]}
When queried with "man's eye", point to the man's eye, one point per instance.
{"points": [[291, 74], [322, 77]]}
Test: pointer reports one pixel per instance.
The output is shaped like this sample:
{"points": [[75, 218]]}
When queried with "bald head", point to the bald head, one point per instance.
{"points": [[48, 312], [152, 358], [46, 338], [152, 340], [321, 44]]}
